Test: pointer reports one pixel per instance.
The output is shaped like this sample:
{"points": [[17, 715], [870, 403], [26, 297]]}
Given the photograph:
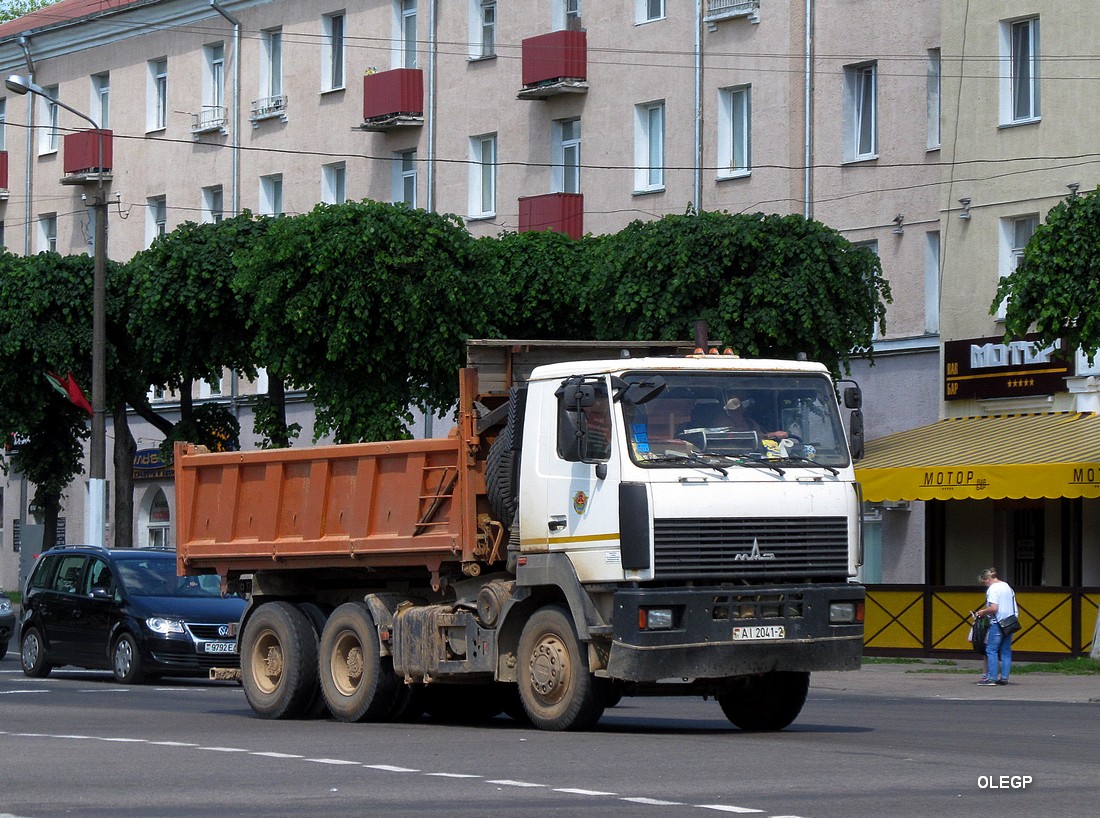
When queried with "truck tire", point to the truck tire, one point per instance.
{"points": [[359, 684], [502, 478], [767, 702], [317, 709], [279, 661], [556, 688]]}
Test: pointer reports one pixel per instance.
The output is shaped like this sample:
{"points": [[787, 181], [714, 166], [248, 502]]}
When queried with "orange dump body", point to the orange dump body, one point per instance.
{"points": [[398, 504]]}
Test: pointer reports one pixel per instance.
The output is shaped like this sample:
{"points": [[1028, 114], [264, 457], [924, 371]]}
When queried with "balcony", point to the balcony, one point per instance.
{"points": [[393, 99], [3, 176], [268, 108], [210, 118], [88, 157], [553, 64], [730, 9], [563, 212]]}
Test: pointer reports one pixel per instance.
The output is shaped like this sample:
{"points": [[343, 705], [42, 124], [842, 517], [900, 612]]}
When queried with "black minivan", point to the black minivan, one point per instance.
{"points": [[125, 610]]}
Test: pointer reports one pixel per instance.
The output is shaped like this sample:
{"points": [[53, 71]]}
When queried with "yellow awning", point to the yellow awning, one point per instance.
{"points": [[996, 457]]}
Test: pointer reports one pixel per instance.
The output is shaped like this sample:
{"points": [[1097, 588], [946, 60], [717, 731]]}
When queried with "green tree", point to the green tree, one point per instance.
{"points": [[767, 285], [1056, 286], [45, 325], [17, 8], [368, 306]]}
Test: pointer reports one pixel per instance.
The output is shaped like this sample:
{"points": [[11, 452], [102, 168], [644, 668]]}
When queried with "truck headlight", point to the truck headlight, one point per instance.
{"points": [[845, 613], [655, 619]]}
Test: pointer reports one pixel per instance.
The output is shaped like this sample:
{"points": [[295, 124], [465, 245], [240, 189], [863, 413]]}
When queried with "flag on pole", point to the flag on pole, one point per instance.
{"points": [[68, 387]]}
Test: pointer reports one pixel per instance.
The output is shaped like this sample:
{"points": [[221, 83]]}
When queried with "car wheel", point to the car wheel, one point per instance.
{"points": [[126, 661], [32, 654]]}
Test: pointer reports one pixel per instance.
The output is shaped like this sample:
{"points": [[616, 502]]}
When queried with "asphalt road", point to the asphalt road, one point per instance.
{"points": [[878, 742]]}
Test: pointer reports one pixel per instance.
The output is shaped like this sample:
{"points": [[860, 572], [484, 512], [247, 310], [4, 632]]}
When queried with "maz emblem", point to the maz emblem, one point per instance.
{"points": [[755, 555]]}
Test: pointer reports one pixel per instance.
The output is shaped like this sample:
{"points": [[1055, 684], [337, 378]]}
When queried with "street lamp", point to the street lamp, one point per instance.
{"points": [[95, 522]]}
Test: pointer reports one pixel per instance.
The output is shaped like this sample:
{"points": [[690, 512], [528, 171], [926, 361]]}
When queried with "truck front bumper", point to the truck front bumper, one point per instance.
{"points": [[701, 643]]}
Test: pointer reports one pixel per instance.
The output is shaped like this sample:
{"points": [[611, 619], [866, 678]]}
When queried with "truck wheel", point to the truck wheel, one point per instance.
{"points": [[32, 654], [126, 661], [317, 709], [359, 684], [555, 686], [767, 702], [279, 661], [502, 477]]}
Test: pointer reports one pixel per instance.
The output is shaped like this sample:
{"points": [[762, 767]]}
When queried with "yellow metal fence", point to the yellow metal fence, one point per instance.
{"points": [[920, 620]]}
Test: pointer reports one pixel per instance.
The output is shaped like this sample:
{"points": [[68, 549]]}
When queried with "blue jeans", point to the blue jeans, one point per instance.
{"points": [[998, 646]]}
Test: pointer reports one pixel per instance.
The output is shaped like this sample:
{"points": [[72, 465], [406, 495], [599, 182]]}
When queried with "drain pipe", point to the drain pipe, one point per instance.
{"points": [[236, 206], [432, 43], [808, 196], [698, 181], [29, 204]]}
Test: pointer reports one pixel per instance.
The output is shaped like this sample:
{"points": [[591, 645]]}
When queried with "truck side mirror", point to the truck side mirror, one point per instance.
{"points": [[855, 434], [853, 397], [571, 434]]}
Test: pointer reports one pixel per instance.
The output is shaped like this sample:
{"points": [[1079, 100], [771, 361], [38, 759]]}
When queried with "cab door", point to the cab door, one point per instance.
{"points": [[94, 613], [582, 486], [57, 610]]}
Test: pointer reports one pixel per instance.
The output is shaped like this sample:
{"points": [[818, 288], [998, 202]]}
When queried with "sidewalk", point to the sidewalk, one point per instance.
{"points": [[939, 682]]}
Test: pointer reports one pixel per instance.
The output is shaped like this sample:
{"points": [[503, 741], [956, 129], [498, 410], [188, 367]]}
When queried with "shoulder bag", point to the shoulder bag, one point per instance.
{"points": [[1009, 624]]}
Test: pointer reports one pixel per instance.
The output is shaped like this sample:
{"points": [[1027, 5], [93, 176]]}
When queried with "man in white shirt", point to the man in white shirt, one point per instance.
{"points": [[1000, 601]]}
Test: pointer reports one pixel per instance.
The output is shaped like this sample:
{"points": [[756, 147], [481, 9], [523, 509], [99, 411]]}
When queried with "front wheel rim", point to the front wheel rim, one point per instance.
{"points": [[31, 650], [124, 658]]}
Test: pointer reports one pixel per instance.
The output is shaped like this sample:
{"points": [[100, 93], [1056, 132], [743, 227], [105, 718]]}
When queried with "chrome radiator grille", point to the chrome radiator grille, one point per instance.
{"points": [[756, 548]]}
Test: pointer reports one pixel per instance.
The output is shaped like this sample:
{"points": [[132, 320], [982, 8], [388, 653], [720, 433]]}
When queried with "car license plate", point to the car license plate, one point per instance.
{"points": [[759, 633], [220, 647]]}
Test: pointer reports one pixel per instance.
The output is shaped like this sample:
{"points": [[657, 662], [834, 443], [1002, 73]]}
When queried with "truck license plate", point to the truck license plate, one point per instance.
{"points": [[758, 633], [220, 647]]}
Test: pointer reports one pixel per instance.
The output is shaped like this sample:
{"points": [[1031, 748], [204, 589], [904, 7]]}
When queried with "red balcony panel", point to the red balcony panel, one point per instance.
{"points": [[82, 152], [3, 170], [559, 55], [563, 212], [399, 92]]}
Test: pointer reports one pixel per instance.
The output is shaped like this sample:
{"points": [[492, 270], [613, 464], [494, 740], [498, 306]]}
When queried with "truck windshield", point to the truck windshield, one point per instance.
{"points": [[720, 418]]}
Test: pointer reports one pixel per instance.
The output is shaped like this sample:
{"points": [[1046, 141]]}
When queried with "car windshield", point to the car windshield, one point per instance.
{"points": [[720, 418], [156, 576]]}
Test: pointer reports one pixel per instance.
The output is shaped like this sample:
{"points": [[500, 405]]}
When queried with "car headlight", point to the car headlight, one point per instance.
{"points": [[5, 605], [164, 624]]}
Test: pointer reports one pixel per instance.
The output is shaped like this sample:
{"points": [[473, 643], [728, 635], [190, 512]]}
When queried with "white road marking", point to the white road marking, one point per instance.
{"points": [[573, 791], [507, 782], [728, 808], [656, 802], [273, 754], [337, 761], [11, 692], [225, 749], [389, 768], [453, 775]]}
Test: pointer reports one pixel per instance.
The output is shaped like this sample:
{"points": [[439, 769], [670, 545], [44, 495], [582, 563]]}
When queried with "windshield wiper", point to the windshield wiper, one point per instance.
{"points": [[794, 458], [694, 459]]}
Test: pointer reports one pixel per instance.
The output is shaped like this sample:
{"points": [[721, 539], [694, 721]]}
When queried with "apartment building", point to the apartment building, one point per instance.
{"points": [[577, 115]]}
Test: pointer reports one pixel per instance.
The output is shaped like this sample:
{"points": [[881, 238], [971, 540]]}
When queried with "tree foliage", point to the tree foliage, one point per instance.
{"points": [[367, 305], [17, 8], [766, 285], [1056, 286]]}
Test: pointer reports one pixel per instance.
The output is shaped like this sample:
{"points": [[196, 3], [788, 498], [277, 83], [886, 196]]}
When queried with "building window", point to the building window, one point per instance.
{"points": [[49, 112], [1016, 232], [934, 81], [1020, 71], [47, 233], [932, 282], [860, 94], [271, 195], [101, 99], [566, 148], [566, 14], [156, 117], [483, 176], [213, 204], [404, 178], [271, 56], [156, 218], [649, 147], [332, 56], [406, 33], [735, 131], [483, 29], [210, 388], [213, 92], [160, 520], [334, 183], [647, 11]]}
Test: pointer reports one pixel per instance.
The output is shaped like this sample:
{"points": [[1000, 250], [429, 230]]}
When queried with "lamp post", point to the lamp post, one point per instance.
{"points": [[95, 518]]}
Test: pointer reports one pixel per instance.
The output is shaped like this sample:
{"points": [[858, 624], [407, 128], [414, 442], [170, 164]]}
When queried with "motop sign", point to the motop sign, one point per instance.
{"points": [[991, 368]]}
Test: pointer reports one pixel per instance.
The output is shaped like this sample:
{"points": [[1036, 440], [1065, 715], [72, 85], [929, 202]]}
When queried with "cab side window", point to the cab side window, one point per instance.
{"points": [[67, 579]]}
